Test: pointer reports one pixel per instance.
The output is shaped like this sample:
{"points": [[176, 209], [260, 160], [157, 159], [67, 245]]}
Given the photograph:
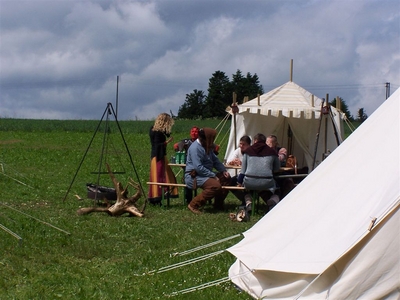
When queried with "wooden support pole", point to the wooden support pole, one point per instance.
{"points": [[234, 118], [291, 70]]}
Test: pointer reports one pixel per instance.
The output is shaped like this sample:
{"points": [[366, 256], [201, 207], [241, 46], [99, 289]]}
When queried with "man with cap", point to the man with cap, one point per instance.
{"points": [[200, 162]]}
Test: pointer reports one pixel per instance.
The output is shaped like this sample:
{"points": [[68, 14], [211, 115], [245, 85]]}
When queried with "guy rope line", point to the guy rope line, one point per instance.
{"points": [[12, 233], [206, 285], [19, 181], [185, 263], [48, 224], [224, 120], [205, 246]]}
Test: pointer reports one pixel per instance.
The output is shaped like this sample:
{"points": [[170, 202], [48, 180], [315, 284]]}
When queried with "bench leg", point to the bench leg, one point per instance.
{"points": [[165, 196], [255, 203]]}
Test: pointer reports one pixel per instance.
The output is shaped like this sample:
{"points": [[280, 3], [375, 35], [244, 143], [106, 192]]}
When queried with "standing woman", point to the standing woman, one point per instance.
{"points": [[159, 169]]}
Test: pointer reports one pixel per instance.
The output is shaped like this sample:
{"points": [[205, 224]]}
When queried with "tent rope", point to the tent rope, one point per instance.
{"points": [[48, 224], [204, 246], [2, 164], [223, 122], [12, 233], [207, 284], [185, 263], [351, 126]]}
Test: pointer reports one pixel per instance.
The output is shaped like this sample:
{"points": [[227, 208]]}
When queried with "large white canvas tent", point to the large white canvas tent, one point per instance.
{"points": [[293, 115], [337, 234]]}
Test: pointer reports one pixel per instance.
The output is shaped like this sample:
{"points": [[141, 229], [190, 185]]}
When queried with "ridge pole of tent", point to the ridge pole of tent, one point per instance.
{"points": [[291, 70]]}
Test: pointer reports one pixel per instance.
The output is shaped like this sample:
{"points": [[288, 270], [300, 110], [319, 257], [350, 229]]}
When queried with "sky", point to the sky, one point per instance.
{"points": [[60, 59]]}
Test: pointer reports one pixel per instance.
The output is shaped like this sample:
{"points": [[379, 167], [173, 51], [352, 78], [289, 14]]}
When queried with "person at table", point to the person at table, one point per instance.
{"points": [[200, 163], [287, 184], [258, 167], [236, 157], [184, 144], [160, 137], [272, 142]]}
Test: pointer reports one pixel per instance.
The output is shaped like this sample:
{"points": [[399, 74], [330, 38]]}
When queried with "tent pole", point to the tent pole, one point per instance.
{"points": [[291, 70], [334, 126], [317, 137], [326, 128], [235, 111]]}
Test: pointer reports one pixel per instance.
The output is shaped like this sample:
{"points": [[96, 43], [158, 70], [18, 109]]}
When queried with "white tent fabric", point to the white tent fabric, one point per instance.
{"points": [[289, 105], [321, 241]]}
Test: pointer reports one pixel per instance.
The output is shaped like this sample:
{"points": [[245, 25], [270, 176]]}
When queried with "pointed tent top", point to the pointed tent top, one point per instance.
{"points": [[287, 98]]}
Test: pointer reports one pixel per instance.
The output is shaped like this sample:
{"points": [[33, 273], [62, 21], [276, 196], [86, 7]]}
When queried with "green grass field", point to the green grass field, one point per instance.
{"points": [[63, 255], [49, 252]]}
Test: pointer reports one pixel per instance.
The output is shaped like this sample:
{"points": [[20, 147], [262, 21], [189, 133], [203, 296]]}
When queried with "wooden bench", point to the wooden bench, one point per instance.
{"points": [[164, 184], [256, 200], [225, 187]]}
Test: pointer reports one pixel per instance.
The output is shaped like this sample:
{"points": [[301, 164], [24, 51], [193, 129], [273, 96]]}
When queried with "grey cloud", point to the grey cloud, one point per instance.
{"points": [[60, 59]]}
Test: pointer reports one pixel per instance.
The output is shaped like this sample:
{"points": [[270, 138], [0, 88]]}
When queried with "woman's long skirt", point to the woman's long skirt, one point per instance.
{"points": [[160, 171]]}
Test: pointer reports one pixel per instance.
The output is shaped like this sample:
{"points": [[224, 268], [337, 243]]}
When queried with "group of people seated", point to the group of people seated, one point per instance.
{"points": [[258, 160]]}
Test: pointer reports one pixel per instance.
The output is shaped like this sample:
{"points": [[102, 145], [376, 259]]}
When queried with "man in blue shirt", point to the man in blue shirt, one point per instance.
{"points": [[200, 162]]}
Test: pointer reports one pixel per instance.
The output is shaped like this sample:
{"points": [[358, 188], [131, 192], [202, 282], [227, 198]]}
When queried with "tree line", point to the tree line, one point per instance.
{"points": [[220, 90]]}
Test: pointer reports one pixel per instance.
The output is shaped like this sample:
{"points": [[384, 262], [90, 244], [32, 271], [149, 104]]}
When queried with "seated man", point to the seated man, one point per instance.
{"points": [[201, 160], [287, 184], [258, 167], [185, 143], [272, 142], [235, 159]]}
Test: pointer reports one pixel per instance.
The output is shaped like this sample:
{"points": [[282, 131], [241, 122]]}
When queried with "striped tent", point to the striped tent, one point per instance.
{"points": [[294, 116]]}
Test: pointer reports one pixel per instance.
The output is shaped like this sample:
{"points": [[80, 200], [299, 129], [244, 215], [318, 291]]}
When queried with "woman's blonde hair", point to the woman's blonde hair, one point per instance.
{"points": [[163, 123]]}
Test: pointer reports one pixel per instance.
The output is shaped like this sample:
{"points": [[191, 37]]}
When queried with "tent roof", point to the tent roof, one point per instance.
{"points": [[289, 99]]}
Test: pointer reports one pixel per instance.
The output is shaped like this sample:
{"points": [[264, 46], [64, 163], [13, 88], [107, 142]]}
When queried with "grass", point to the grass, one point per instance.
{"points": [[103, 257]]}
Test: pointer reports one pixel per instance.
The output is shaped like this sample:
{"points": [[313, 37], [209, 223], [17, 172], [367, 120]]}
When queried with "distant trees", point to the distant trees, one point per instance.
{"points": [[343, 107], [219, 95], [361, 115], [220, 92], [193, 106]]}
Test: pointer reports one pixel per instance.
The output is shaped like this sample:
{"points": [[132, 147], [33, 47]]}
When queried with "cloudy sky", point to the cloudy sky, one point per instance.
{"points": [[59, 59]]}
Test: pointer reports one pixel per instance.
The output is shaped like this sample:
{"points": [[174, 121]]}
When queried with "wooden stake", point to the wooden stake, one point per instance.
{"points": [[291, 70]]}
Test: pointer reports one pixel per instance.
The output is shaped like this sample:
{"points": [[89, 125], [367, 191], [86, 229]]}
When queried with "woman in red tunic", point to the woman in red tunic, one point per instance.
{"points": [[159, 170]]}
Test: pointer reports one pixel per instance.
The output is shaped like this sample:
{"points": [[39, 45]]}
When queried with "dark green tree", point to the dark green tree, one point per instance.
{"points": [[343, 107], [193, 106], [219, 96], [361, 115], [220, 91], [245, 86]]}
